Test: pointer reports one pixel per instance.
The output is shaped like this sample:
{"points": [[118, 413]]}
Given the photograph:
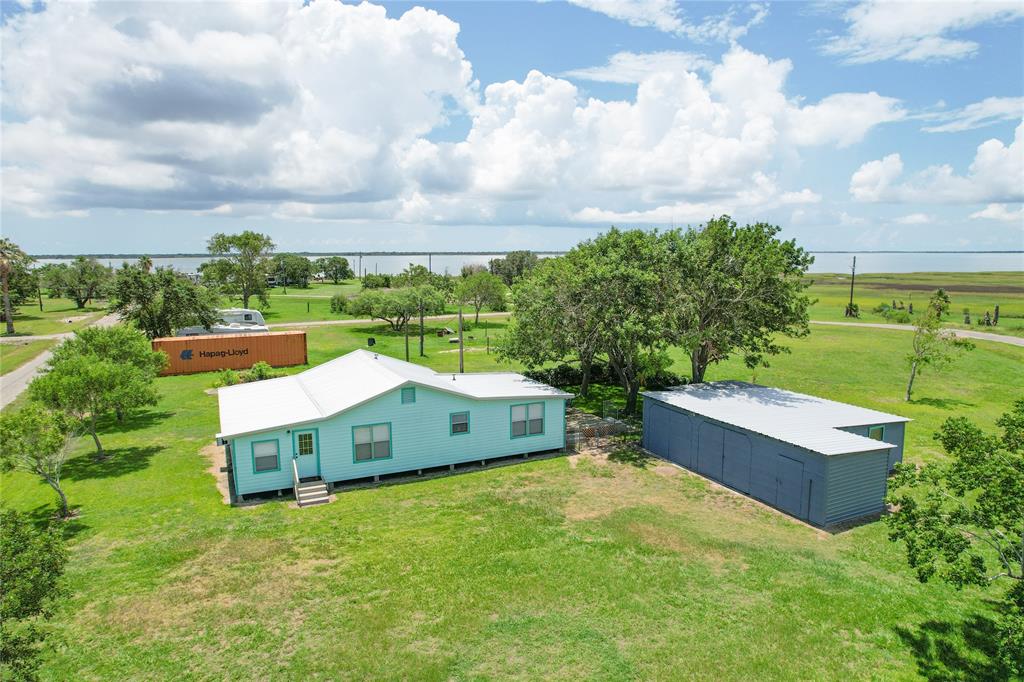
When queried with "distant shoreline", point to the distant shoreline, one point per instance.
{"points": [[60, 256]]}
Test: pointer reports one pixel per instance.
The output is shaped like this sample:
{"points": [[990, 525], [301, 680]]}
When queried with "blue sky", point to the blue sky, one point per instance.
{"points": [[478, 125]]}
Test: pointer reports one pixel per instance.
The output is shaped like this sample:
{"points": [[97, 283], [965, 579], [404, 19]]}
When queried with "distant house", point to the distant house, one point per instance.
{"points": [[816, 459], [366, 415]]}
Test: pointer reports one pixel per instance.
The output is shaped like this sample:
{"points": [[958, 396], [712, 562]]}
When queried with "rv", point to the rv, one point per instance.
{"points": [[232, 321]]}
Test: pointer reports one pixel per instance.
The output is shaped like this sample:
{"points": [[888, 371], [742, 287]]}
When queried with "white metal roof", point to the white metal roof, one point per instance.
{"points": [[351, 380], [802, 420]]}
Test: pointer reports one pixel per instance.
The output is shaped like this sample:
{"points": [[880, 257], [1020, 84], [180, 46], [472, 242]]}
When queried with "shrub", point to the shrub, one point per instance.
{"points": [[227, 377], [259, 372], [377, 281], [339, 304], [664, 379]]}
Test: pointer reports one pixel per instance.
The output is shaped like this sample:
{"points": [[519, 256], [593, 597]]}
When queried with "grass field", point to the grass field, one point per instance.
{"points": [[976, 291], [558, 568], [14, 354], [58, 315]]}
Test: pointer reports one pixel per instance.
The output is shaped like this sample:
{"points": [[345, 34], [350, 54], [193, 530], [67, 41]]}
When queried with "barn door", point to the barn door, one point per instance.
{"points": [[789, 477], [710, 442], [680, 442], [736, 461]]}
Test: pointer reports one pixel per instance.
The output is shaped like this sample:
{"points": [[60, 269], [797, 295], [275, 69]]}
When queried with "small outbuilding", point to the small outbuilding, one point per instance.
{"points": [[366, 415], [818, 460]]}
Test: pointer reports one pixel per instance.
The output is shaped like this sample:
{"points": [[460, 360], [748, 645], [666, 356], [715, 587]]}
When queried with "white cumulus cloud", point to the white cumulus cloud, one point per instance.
{"points": [[976, 115]]}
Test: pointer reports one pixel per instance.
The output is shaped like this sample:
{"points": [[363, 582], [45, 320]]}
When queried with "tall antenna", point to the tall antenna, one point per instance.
{"points": [[853, 278]]}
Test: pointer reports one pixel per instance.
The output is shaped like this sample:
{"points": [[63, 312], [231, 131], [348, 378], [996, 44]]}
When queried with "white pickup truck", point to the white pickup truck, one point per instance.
{"points": [[232, 321]]}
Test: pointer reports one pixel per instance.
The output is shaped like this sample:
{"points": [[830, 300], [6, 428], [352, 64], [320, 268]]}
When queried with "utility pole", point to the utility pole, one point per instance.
{"points": [[360, 270], [406, 325], [422, 354], [461, 365], [430, 263], [853, 277]]}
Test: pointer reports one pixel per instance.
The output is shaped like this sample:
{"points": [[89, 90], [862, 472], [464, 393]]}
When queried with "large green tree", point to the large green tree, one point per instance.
{"points": [[426, 299], [291, 269], [335, 268], [161, 301], [35, 440], [480, 289], [14, 265], [101, 371], [394, 307], [553, 317], [514, 266], [963, 521], [82, 280], [933, 346], [737, 291], [243, 265], [31, 565]]}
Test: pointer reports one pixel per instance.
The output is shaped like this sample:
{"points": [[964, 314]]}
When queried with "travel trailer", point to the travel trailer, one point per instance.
{"points": [[232, 321]]}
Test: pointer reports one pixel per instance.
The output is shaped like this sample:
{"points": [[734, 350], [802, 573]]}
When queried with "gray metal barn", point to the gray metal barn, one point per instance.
{"points": [[818, 460]]}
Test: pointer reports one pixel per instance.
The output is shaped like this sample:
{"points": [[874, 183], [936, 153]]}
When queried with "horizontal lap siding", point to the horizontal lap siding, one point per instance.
{"points": [[420, 437], [894, 433], [856, 485]]}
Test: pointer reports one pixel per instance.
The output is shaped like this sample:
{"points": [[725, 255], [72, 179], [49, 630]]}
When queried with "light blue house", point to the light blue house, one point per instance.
{"points": [[364, 415]]}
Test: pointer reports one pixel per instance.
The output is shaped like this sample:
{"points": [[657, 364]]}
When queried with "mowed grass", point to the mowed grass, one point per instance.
{"points": [[14, 354], [58, 315], [554, 568], [976, 291]]}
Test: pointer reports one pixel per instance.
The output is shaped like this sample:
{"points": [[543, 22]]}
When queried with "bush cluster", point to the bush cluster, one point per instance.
{"points": [[897, 315], [258, 372], [600, 373], [339, 303], [376, 281]]}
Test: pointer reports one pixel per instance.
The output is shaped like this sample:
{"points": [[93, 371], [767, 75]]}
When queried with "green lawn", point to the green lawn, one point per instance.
{"points": [[58, 315], [14, 354], [558, 568], [977, 291]]}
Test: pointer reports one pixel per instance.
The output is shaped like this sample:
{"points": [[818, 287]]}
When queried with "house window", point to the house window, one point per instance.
{"points": [[408, 395], [527, 420], [304, 442], [459, 422], [371, 442], [877, 432], [265, 456]]}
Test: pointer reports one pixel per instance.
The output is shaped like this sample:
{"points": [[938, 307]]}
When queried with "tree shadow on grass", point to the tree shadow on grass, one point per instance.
{"points": [[45, 515], [951, 651], [119, 461], [942, 403], [141, 420]]}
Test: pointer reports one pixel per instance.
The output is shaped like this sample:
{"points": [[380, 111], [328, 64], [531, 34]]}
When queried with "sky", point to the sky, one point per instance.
{"points": [[501, 125]]}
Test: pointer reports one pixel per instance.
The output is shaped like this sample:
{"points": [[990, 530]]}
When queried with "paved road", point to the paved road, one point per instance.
{"points": [[17, 380], [963, 333]]}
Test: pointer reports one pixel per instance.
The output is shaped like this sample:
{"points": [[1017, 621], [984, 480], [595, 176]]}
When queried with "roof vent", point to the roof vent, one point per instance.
{"points": [[453, 377]]}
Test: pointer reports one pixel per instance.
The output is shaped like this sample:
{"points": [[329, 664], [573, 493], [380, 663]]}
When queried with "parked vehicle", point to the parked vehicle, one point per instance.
{"points": [[232, 321]]}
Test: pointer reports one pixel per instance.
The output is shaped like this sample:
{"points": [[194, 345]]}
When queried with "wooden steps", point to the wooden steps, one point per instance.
{"points": [[311, 493]]}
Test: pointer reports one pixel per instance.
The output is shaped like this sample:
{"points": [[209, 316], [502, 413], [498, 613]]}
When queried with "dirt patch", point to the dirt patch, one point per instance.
{"points": [[474, 349], [218, 463], [681, 543]]}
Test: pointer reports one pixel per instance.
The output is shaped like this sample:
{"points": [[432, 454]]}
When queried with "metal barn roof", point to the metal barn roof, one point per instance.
{"points": [[802, 420], [351, 380]]}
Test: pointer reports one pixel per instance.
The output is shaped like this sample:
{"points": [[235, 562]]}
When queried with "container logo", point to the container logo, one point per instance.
{"points": [[222, 353], [186, 354]]}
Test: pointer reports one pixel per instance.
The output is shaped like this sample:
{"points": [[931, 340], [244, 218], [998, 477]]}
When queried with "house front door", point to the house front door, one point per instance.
{"points": [[307, 453]]}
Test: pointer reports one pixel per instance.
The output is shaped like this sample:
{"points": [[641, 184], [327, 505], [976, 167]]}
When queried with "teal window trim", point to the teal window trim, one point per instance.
{"points": [[391, 442], [316, 444], [872, 428], [252, 448], [411, 392], [543, 419], [451, 425]]}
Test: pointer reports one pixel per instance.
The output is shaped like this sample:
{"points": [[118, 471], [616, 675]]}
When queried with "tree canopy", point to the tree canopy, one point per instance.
{"points": [[963, 521], [481, 289], [394, 307], [933, 346], [514, 266], [292, 270], [14, 278], [335, 268], [737, 290], [100, 371], [31, 565], [35, 440], [82, 280], [243, 265], [161, 301]]}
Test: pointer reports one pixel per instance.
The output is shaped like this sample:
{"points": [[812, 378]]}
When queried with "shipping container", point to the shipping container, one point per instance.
{"points": [[190, 354]]}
